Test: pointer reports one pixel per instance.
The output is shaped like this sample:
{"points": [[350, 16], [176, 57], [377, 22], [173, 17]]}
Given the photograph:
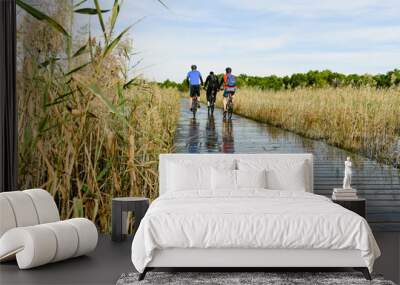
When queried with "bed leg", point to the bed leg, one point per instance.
{"points": [[364, 271], [143, 274]]}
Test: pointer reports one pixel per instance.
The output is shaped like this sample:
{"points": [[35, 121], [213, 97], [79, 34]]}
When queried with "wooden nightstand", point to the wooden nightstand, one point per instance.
{"points": [[357, 206]]}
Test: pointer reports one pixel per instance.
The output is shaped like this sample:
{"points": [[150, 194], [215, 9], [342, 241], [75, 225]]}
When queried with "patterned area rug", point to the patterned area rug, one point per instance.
{"points": [[243, 278]]}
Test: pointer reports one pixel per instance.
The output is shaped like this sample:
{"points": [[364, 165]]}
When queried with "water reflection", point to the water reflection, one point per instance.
{"points": [[193, 143], [211, 137], [228, 141]]}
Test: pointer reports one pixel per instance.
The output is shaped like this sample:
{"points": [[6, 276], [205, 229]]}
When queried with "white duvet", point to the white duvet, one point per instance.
{"points": [[250, 219]]}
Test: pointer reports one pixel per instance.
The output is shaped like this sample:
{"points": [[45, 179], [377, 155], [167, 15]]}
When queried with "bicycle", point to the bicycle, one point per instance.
{"points": [[195, 106], [229, 107], [211, 105]]}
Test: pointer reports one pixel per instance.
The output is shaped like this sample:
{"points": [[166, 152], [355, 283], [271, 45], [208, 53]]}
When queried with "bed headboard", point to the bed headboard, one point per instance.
{"points": [[211, 158]]}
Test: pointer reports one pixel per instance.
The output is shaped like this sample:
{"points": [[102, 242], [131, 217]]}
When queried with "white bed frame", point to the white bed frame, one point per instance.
{"points": [[250, 258]]}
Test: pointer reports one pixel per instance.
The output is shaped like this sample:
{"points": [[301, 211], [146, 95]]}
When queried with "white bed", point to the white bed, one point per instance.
{"points": [[201, 219]]}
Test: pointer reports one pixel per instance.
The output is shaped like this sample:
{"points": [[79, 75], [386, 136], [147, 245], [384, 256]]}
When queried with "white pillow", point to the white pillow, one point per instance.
{"points": [[282, 174], [193, 174], [188, 177], [251, 178], [292, 178], [223, 179]]}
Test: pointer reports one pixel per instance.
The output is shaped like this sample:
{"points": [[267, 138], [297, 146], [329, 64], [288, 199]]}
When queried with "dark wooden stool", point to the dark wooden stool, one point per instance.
{"points": [[357, 206], [120, 208]]}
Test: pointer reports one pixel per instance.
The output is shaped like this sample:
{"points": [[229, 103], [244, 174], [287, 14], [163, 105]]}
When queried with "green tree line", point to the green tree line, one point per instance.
{"points": [[310, 79]]}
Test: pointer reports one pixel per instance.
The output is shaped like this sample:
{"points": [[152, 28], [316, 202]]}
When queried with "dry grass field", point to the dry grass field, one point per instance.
{"points": [[362, 120]]}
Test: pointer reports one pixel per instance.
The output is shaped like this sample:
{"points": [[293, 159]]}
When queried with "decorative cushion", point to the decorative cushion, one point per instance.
{"points": [[67, 240], [23, 208], [46, 209], [87, 235], [7, 220]]}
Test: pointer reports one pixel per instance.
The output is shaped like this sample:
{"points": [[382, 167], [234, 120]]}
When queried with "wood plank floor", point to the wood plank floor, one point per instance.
{"points": [[103, 266], [111, 259]]}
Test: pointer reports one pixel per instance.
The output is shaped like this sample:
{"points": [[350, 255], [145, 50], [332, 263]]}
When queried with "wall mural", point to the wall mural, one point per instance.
{"points": [[91, 128]]}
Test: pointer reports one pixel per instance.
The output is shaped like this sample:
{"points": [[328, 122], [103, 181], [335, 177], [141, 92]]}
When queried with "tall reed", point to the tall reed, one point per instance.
{"points": [[87, 132]]}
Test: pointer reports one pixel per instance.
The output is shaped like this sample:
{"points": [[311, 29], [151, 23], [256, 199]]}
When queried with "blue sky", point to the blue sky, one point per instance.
{"points": [[263, 37]]}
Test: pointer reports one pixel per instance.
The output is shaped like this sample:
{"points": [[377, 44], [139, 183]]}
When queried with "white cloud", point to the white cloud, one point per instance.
{"points": [[175, 67], [386, 34], [312, 8], [264, 37]]}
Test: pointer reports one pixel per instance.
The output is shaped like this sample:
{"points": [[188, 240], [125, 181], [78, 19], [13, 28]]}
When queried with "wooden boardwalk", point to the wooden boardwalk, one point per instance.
{"points": [[379, 184]]}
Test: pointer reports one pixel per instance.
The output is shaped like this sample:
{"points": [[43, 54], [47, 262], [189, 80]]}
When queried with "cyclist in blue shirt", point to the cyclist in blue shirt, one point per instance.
{"points": [[194, 80]]}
